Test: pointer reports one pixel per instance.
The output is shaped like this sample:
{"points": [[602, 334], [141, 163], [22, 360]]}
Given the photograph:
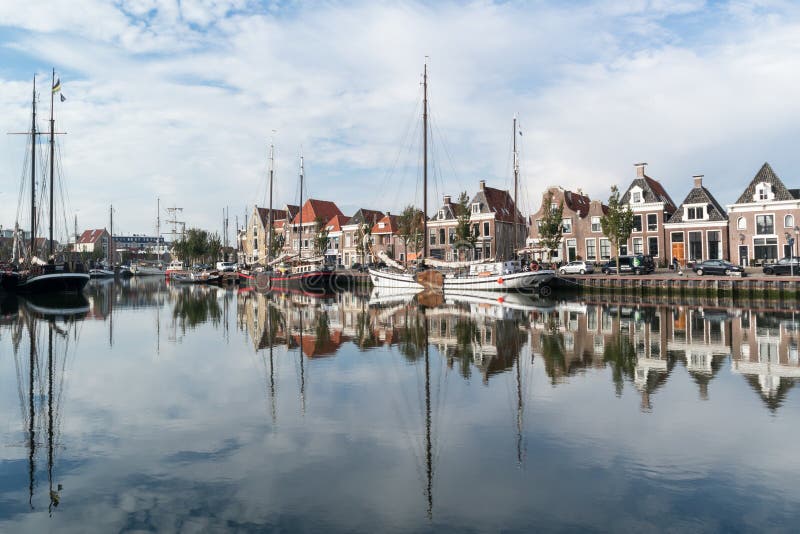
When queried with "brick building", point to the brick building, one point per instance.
{"points": [[582, 235], [764, 219], [698, 229], [312, 211], [352, 231], [256, 237], [652, 207]]}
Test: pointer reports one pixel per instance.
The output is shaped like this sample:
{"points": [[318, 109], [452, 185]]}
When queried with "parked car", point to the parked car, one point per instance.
{"points": [[783, 266], [637, 264], [576, 267], [226, 266], [717, 267]]}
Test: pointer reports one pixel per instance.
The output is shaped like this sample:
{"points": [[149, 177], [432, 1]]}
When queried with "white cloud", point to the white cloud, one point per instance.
{"points": [[179, 100]]}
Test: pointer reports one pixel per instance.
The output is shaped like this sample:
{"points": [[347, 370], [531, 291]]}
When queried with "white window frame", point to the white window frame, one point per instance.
{"points": [[598, 227]]}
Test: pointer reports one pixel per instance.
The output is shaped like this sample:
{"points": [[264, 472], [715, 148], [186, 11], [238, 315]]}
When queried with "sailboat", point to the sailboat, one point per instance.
{"points": [[307, 275], [479, 275], [37, 276]]}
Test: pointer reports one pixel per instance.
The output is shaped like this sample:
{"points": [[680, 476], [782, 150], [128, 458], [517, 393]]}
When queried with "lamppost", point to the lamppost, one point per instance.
{"points": [[790, 242]]}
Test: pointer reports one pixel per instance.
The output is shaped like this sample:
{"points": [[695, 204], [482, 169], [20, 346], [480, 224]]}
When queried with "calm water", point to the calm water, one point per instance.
{"points": [[146, 407]]}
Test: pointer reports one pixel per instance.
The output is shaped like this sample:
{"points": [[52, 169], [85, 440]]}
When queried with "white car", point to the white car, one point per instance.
{"points": [[576, 267], [226, 266]]}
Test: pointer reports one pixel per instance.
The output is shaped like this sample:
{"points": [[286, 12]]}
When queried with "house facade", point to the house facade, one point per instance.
{"points": [[493, 218], [698, 229], [385, 238], [313, 210], [652, 207], [353, 231], [763, 223], [92, 241], [255, 241], [582, 237]]}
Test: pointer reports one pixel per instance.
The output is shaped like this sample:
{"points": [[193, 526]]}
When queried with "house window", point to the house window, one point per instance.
{"points": [[452, 235], [765, 248], [741, 223], [637, 223], [695, 245], [591, 250], [765, 224], [652, 246], [553, 207], [788, 221], [637, 197], [596, 224], [652, 222], [486, 229], [433, 237], [714, 248], [763, 191], [638, 245], [605, 249], [694, 213], [441, 214], [476, 207], [566, 225], [442, 239]]}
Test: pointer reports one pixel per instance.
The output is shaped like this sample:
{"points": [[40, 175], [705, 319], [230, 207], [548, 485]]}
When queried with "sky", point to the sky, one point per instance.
{"points": [[179, 100]]}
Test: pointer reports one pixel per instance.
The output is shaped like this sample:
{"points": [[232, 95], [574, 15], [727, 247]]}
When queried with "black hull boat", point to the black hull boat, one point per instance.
{"points": [[45, 282], [316, 281]]}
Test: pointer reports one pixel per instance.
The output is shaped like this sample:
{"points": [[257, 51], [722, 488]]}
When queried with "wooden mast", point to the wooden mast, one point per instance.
{"points": [[425, 162], [300, 249], [52, 154], [516, 188], [33, 172], [269, 213]]}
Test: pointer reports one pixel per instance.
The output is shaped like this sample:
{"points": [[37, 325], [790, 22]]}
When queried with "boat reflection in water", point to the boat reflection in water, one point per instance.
{"points": [[47, 325]]}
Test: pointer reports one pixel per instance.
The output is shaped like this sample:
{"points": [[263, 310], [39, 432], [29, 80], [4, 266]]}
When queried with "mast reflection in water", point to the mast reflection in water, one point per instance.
{"points": [[154, 407]]}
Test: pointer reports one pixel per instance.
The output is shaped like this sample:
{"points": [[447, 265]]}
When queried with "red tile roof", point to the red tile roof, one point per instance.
{"points": [[335, 224], [92, 236], [263, 213], [324, 209], [389, 225]]}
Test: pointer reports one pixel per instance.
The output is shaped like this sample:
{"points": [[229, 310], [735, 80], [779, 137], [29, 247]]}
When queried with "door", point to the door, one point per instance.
{"points": [[572, 250], [677, 252], [743, 255]]}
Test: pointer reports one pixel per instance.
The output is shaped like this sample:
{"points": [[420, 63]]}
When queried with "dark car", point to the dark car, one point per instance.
{"points": [[637, 264], [717, 267], [783, 266]]}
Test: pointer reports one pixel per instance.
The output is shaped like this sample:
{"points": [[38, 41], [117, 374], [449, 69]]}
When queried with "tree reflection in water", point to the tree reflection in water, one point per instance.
{"points": [[193, 307]]}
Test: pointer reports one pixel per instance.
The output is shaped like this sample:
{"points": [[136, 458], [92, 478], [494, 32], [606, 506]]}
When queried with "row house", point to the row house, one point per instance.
{"points": [[355, 229], [312, 211], [764, 220], [652, 207], [334, 228], [385, 238], [582, 235], [92, 241], [493, 219], [698, 229], [255, 241]]}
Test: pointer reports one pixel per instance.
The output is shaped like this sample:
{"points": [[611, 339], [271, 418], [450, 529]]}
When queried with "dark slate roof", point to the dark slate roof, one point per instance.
{"points": [[500, 203], [577, 202], [652, 190], [277, 215], [366, 216], [766, 174], [795, 193], [450, 212], [701, 195]]}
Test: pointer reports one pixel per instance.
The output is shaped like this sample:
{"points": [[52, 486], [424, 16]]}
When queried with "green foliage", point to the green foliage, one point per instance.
{"points": [[551, 230], [198, 245], [363, 237], [320, 237], [278, 242], [409, 228], [617, 223], [192, 309], [466, 235]]}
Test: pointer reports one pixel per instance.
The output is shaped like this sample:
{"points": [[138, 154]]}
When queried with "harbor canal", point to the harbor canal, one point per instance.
{"points": [[151, 407]]}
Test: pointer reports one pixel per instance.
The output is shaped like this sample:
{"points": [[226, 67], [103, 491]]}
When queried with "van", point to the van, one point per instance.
{"points": [[638, 264], [226, 266]]}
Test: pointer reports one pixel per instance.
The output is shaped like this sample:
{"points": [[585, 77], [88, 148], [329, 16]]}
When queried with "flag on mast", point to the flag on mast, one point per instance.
{"points": [[57, 85]]}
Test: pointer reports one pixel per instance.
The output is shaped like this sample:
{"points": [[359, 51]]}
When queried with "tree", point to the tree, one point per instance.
{"points": [[363, 237], [617, 223], [278, 241], [466, 236], [320, 237], [551, 228], [213, 247], [409, 228]]}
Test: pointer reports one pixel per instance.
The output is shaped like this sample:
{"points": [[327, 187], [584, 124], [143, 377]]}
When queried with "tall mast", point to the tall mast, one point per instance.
{"points": [[516, 188], [425, 162], [111, 237], [269, 213], [52, 153], [300, 251], [33, 172], [158, 228]]}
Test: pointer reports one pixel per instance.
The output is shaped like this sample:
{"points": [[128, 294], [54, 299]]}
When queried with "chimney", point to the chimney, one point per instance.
{"points": [[388, 213], [640, 169], [447, 199], [483, 184], [698, 180]]}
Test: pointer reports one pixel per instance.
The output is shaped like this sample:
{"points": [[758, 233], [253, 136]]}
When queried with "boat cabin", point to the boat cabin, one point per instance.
{"points": [[498, 267]]}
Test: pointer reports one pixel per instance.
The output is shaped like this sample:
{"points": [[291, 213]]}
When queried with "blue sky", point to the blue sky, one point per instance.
{"points": [[180, 100]]}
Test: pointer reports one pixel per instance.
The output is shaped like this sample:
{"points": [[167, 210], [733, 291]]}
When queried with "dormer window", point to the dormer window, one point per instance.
{"points": [[441, 215], [695, 212], [383, 225], [476, 207], [636, 197], [763, 192]]}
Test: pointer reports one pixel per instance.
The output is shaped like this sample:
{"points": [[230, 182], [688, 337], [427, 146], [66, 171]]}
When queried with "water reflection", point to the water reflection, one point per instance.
{"points": [[463, 412]]}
